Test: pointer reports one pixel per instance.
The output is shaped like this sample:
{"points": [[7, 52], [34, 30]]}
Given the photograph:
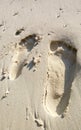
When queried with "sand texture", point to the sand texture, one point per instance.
{"points": [[40, 65]]}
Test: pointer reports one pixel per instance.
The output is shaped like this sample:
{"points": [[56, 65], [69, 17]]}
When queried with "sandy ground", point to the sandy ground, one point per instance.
{"points": [[40, 65]]}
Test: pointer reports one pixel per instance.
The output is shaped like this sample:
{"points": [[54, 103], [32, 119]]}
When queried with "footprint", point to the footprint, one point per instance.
{"points": [[20, 54], [60, 75]]}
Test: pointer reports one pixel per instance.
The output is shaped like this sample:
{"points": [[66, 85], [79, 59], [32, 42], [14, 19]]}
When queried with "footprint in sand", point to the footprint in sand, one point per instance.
{"points": [[20, 54], [60, 75]]}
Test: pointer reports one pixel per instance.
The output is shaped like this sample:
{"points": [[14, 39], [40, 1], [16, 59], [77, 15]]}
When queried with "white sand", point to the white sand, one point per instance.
{"points": [[40, 59]]}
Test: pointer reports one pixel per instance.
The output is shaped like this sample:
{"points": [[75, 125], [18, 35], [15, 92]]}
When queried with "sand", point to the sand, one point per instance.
{"points": [[40, 65]]}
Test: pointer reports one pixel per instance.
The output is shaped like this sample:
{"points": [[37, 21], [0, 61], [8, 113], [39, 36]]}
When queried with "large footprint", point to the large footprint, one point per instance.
{"points": [[61, 71]]}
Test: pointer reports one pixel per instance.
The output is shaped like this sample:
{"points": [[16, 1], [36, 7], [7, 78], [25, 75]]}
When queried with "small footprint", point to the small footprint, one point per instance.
{"points": [[21, 51], [60, 75]]}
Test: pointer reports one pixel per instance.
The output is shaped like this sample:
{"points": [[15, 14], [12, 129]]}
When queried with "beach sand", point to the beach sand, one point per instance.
{"points": [[40, 65]]}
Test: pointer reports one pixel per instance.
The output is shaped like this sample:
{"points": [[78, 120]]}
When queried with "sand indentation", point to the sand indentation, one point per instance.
{"points": [[60, 75], [21, 51]]}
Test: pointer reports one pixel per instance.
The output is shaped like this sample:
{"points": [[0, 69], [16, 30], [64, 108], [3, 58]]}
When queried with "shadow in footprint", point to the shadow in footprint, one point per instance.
{"points": [[30, 41], [30, 65], [61, 66]]}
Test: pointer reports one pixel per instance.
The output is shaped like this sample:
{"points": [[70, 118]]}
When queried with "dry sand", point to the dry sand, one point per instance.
{"points": [[40, 65]]}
